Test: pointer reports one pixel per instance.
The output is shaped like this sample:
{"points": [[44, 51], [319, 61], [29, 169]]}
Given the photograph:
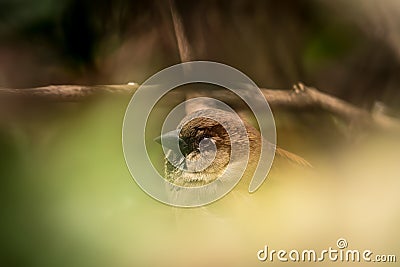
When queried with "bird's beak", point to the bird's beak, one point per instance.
{"points": [[171, 140]]}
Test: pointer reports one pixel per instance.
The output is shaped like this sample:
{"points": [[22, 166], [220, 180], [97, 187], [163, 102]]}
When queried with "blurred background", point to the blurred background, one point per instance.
{"points": [[66, 196]]}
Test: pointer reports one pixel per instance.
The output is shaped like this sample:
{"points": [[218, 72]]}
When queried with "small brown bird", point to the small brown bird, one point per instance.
{"points": [[199, 134]]}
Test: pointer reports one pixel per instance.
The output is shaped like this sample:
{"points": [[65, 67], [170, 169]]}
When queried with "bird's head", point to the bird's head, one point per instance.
{"points": [[204, 147]]}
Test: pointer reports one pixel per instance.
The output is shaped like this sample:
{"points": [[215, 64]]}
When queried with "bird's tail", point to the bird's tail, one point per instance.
{"points": [[292, 157]]}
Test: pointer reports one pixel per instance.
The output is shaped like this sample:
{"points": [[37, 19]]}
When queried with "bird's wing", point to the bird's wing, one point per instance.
{"points": [[292, 157]]}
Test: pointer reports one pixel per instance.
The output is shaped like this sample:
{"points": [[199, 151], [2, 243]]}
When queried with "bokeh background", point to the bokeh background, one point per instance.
{"points": [[66, 196]]}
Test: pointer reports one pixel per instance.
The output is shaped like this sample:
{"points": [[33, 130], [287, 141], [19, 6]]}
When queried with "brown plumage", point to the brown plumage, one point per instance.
{"points": [[196, 127], [292, 157]]}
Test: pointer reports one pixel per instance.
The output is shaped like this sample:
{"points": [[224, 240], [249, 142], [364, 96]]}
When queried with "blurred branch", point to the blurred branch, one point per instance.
{"points": [[299, 97], [186, 55], [185, 51], [65, 93]]}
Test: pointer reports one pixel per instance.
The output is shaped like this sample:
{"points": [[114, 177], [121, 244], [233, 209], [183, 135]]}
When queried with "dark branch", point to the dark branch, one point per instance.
{"points": [[300, 97]]}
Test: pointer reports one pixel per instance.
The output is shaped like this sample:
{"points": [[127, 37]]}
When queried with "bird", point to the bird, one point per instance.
{"points": [[202, 138]]}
